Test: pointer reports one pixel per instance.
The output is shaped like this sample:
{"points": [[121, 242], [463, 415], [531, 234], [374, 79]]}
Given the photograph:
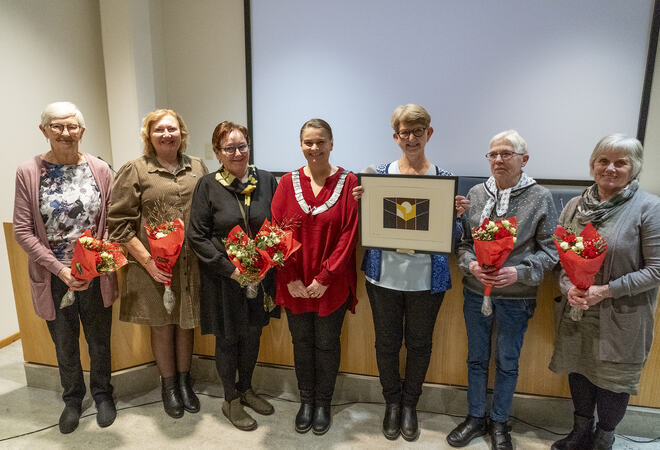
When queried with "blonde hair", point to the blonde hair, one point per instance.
{"points": [[155, 116], [410, 113]]}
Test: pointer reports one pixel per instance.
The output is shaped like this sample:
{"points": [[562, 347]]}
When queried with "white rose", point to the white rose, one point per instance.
{"points": [[579, 246], [506, 223], [564, 245], [579, 239], [160, 234]]}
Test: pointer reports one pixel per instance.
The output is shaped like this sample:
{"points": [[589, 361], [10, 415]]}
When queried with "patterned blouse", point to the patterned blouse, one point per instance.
{"points": [[69, 201]]}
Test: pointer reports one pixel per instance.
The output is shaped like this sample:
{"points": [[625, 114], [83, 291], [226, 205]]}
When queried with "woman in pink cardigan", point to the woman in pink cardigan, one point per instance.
{"points": [[60, 194]]}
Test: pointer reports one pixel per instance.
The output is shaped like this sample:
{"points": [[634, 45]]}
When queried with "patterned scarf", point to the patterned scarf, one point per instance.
{"points": [[500, 199], [233, 184], [591, 209]]}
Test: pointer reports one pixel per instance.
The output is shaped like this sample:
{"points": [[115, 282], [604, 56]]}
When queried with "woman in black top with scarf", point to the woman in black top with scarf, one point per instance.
{"points": [[237, 194]]}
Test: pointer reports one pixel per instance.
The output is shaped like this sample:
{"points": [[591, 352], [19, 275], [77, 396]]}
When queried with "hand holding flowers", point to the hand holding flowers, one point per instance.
{"points": [[92, 257], [493, 241], [581, 256]]}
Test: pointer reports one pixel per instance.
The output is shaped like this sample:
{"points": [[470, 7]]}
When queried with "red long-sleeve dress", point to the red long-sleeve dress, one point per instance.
{"points": [[328, 243]]}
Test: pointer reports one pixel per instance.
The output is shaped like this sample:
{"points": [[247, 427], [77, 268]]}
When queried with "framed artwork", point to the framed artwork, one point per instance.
{"points": [[408, 213]]}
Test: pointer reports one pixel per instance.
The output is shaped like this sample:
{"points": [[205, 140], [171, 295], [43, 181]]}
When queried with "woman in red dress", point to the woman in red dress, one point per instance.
{"points": [[317, 284]]}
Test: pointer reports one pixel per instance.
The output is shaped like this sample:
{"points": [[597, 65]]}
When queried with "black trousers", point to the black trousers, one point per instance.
{"points": [[316, 353], [587, 397], [397, 314], [96, 320], [239, 356]]}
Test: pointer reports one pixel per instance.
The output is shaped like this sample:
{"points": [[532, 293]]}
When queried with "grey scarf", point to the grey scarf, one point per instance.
{"points": [[591, 209]]}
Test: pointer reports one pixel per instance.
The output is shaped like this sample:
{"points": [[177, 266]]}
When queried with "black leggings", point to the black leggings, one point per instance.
{"points": [[587, 397], [240, 356]]}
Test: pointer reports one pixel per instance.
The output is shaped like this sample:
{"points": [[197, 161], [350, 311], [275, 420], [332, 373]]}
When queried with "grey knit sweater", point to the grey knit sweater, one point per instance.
{"points": [[534, 252]]}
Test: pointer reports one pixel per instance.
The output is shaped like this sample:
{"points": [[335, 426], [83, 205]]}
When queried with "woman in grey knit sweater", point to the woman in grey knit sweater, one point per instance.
{"points": [[508, 192], [604, 352]]}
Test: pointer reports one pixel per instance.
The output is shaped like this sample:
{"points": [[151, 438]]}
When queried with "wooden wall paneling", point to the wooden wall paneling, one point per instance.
{"points": [[130, 343]]}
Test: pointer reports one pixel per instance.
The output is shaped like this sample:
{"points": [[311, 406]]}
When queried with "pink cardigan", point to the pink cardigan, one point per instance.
{"points": [[30, 232]]}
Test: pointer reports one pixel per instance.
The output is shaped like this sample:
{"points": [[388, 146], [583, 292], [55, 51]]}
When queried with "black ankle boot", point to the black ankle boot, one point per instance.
{"points": [[304, 417], [603, 440], [499, 436], [409, 426], [171, 397], [392, 421], [188, 396], [322, 420], [580, 437]]}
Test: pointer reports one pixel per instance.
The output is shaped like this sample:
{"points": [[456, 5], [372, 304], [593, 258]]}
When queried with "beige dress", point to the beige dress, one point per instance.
{"points": [[138, 185]]}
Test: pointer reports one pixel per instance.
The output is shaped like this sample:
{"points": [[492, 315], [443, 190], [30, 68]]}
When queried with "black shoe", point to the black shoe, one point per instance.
{"points": [[322, 420], [106, 412], [499, 436], [409, 426], [304, 417], [188, 396], [603, 440], [171, 397], [467, 430], [580, 437], [392, 421], [69, 418]]}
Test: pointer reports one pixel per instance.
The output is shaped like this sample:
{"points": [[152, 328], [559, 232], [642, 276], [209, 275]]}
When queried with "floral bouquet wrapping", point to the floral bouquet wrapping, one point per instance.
{"points": [[493, 241], [165, 241], [254, 257], [93, 257], [243, 254], [580, 256], [275, 244]]}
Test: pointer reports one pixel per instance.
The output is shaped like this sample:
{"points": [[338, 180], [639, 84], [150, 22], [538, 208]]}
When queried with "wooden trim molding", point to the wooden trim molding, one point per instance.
{"points": [[9, 339]]}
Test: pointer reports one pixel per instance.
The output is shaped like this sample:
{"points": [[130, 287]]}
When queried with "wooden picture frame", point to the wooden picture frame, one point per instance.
{"points": [[408, 213]]}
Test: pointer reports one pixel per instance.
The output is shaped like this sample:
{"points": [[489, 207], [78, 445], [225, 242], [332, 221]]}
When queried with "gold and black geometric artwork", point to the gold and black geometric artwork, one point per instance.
{"points": [[406, 213]]}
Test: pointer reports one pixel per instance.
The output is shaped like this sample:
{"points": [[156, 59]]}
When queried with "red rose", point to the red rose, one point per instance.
{"points": [[589, 251], [502, 233], [570, 238]]}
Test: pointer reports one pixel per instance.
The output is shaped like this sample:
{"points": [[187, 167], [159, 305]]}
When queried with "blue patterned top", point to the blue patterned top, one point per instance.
{"points": [[440, 278], [69, 201]]}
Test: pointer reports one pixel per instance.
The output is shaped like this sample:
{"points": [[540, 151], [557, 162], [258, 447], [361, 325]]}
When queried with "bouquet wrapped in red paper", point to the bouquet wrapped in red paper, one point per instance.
{"points": [[254, 257], [580, 256], [244, 255], [493, 241], [93, 257], [165, 241], [275, 244]]}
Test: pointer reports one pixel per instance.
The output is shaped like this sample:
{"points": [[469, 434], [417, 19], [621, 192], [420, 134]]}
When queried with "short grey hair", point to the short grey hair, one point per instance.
{"points": [[629, 145], [515, 139], [60, 110], [411, 113]]}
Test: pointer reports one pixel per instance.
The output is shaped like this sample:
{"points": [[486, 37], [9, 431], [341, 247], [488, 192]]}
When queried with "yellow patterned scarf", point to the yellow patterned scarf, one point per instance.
{"points": [[233, 184]]}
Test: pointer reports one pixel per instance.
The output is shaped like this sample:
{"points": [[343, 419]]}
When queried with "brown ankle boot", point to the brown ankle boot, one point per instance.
{"points": [[237, 416]]}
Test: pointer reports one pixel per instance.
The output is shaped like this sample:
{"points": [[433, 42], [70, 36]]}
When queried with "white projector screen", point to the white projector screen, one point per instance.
{"points": [[563, 73]]}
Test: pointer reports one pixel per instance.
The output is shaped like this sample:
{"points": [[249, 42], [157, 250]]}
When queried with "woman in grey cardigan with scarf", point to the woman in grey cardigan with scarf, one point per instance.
{"points": [[605, 351]]}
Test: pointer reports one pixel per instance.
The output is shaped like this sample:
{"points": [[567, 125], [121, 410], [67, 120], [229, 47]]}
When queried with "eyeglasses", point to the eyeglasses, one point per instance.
{"points": [[492, 156], [417, 132], [59, 128], [160, 131], [243, 148]]}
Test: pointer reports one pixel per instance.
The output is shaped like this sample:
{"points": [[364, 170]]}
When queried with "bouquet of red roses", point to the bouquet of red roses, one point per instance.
{"points": [[253, 257], [493, 241], [580, 256], [93, 257], [165, 241]]}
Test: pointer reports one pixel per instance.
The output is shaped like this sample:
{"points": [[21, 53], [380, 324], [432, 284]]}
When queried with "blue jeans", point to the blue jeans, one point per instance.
{"points": [[511, 317]]}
